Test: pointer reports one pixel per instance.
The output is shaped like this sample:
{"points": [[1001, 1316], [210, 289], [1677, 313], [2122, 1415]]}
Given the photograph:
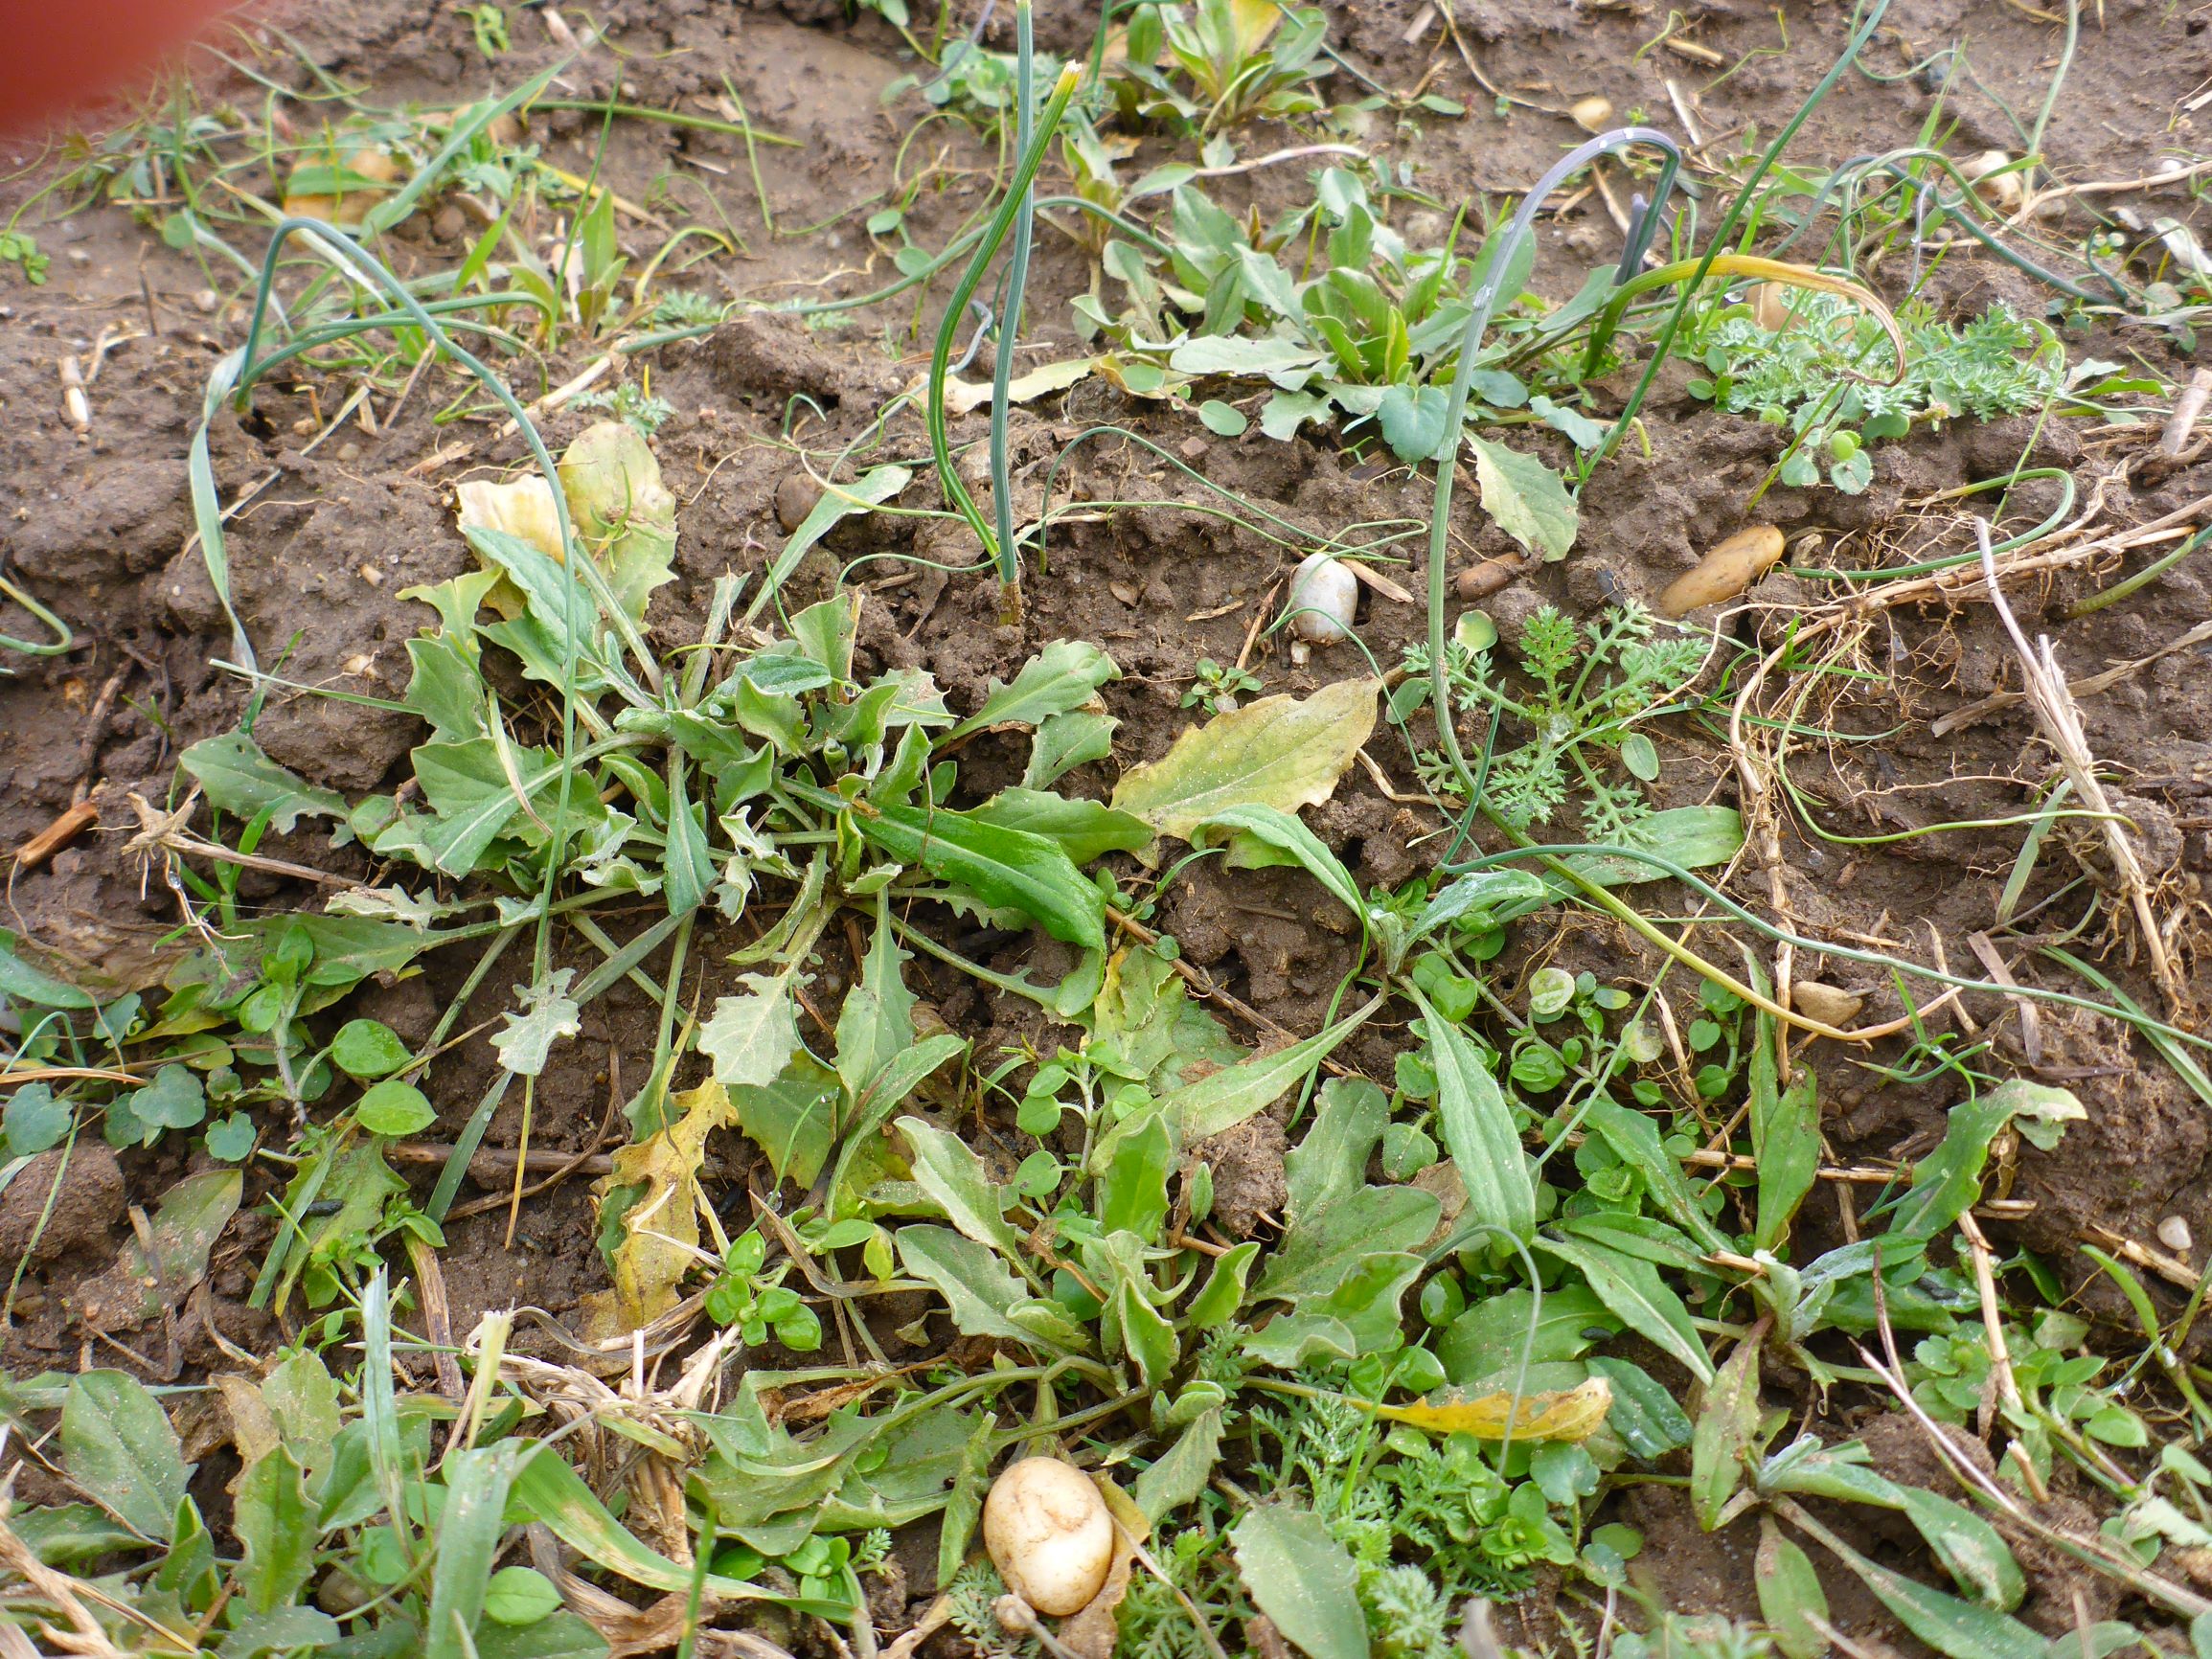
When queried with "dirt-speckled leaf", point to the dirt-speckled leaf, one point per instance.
{"points": [[240, 779], [1063, 676], [1007, 869], [750, 1038], [1302, 1578], [1279, 752], [182, 1232], [1968, 1546], [1788, 1591], [117, 1445], [1726, 1427], [276, 1525], [1526, 498]]}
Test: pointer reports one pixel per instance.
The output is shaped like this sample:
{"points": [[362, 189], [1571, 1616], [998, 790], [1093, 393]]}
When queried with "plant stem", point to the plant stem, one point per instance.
{"points": [[1009, 326], [1010, 210]]}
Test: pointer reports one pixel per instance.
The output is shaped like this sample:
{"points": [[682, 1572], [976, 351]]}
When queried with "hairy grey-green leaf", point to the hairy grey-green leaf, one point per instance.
{"points": [[1302, 1578]]}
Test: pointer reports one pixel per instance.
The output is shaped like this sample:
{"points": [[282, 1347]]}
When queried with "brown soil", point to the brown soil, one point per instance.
{"points": [[95, 524]]}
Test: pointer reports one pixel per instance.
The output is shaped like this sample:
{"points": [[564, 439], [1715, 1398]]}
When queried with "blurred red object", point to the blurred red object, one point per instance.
{"points": [[58, 56]]}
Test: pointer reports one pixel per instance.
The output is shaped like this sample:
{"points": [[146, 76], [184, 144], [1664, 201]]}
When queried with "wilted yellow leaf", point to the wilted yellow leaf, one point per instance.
{"points": [[522, 507], [621, 511], [961, 396], [1574, 1415], [660, 1230]]}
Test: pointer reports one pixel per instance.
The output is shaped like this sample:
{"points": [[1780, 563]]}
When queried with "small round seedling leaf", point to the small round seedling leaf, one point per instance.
{"points": [[34, 1120], [520, 1596], [231, 1140], [1550, 989], [393, 1107], [368, 1049], [174, 1100], [1223, 419]]}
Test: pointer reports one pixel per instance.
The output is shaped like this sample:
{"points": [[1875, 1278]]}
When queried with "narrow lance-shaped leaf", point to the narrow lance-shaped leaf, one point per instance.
{"points": [[838, 501], [1478, 1130], [1726, 1429], [1639, 1297], [1264, 837], [1009, 869], [1957, 1628]]}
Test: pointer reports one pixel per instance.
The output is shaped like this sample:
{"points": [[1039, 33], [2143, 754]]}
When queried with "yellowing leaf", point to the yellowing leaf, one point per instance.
{"points": [[620, 508], [1574, 1415], [1253, 20], [1276, 752], [660, 1230], [624, 514]]}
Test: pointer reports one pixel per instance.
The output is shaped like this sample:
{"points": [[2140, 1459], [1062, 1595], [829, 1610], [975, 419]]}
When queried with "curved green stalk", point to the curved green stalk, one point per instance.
{"points": [[1462, 381], [1009, 322], [1002, 224], [2141, 579], [65, 638]]}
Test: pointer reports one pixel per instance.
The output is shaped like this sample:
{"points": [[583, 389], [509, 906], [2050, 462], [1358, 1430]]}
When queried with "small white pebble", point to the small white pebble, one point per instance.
{"points": [[2174, 1234]]}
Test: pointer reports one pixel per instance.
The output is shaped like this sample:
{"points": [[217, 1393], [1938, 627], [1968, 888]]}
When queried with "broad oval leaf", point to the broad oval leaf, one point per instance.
{"points": [[1277, 752], [1526, 498], [117, 1445]]}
